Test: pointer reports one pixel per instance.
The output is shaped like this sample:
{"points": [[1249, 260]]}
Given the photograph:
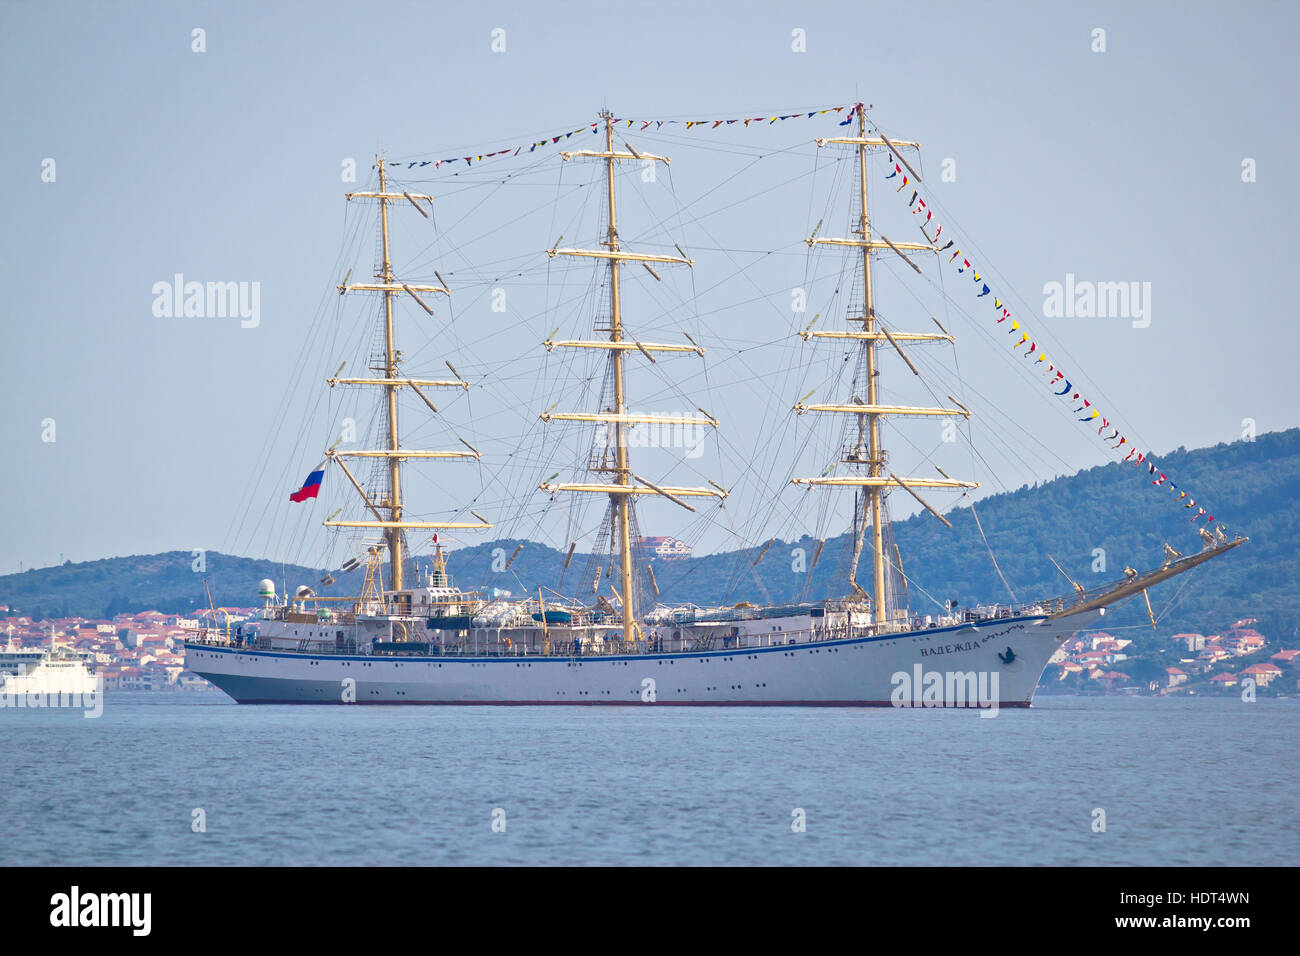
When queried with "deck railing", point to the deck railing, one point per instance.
{"points": [[490, 642]]}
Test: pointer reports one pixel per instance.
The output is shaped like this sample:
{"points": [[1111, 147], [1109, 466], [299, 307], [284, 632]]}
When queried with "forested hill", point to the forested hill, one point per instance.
{"points": [[1109, 514]]}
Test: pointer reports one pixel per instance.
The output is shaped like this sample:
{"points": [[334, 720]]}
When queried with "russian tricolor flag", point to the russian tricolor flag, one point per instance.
{"points": [[311, 487]]}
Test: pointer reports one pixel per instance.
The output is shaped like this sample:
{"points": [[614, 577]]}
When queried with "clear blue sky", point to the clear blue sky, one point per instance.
{"points": [[225, 166]]}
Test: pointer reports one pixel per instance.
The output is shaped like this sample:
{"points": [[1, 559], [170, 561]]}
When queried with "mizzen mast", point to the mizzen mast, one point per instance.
{"points": [[389, 510], [867, 449], [626, 485]]}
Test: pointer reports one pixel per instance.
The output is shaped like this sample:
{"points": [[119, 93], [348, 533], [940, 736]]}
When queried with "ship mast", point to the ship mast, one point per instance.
{"points": [[622, 475], [626, 485], [868, 449], [389, 510]]}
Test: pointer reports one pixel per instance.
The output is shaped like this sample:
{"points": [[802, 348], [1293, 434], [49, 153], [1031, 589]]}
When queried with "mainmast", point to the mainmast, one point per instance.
{"points": [[626, 485], [388, 510], [868, 450]]}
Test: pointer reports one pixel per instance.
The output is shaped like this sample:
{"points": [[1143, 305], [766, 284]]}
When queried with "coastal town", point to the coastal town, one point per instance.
{"points": [[1185, 663], [144, 651]]}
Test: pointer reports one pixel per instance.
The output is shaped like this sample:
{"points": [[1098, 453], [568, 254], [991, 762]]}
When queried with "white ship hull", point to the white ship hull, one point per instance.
{"points": [[51, 677], [1005, 656]]}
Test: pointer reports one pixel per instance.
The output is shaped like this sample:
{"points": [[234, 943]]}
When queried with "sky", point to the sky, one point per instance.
{"points": [[1160, 152]]}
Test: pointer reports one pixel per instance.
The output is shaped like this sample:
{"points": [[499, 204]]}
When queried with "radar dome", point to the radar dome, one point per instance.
{"points": [[266, 588]]}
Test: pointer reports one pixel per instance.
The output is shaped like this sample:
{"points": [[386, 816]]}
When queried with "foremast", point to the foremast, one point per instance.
{"points": [[388, 509], [626, 485], [867, 450]]}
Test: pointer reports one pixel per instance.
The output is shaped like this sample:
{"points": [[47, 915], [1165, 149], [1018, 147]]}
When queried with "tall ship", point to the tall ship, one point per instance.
{"points": [[413, 637]]}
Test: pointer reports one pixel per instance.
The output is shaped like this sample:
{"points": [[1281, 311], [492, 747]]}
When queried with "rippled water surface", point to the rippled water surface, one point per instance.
{"points": [[1190, 781]]}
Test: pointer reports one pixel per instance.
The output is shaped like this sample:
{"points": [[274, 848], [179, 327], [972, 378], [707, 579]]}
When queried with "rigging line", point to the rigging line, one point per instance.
{"points": [[757, 152], [490, 371], [992, 557], [676, 389], [1007, 358], [493, 336], [773, 396], [492, 188], [887, 558], [751, 467], [498, 475], [765, 252], [468, 179], [657, 225], [911, 579], [540, 434], [695, 305], [461, 245], [713, 212], [1007, 584], [720, 438], [291, 389], [812, 198], [728, 149], [731, 303], [474, 150], [488, 272], [763, 517], [1056, 345], [700, 198], [1177, 597], [595, 292], [992, 409], [1013, 294], [1008, 448], [740, 115], [970, 442], [1011, 449]]}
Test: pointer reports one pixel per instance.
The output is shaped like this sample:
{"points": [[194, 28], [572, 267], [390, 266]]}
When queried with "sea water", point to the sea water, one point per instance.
{"points": [[193, 779]]}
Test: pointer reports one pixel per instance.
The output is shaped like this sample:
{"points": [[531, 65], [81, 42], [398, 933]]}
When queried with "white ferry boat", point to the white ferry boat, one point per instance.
{"points": [[43, 671]]}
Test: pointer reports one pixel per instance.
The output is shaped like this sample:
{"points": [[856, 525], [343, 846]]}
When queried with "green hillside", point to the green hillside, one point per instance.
{"points": [[1251, 485]]}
